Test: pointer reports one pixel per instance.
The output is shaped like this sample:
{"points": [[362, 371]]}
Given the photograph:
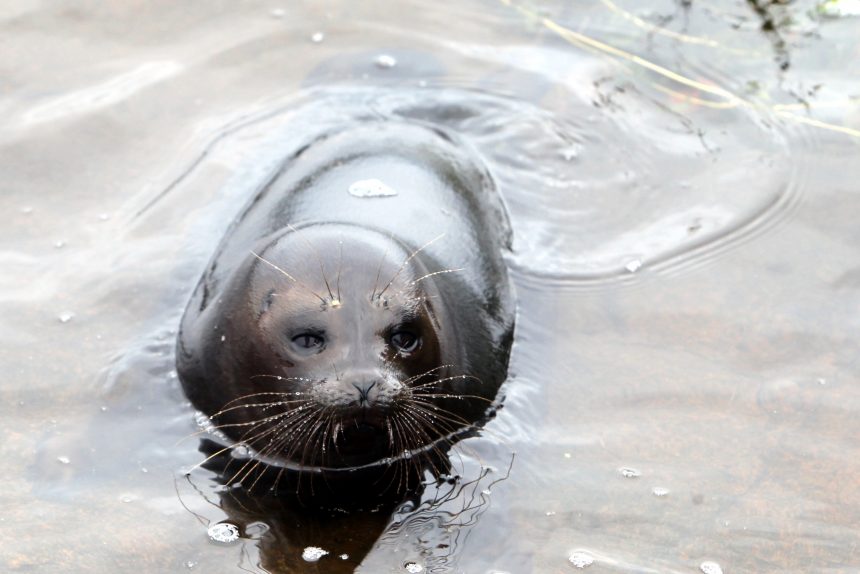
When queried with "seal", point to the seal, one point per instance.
{"points": [[358, 310]]}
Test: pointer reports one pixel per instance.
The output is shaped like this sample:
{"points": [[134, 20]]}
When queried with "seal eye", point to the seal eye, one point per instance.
{"points": [[306, 342], [404, 341]]}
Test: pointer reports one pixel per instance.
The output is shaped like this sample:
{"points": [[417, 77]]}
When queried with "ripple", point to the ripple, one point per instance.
{"points": [[606, 196]]}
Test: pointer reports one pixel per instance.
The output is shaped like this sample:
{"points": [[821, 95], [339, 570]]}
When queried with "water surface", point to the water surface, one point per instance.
{"points": [[681, 180]]}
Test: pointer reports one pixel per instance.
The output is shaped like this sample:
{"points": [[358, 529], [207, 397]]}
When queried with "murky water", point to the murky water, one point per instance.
{"points": [[682, 181]]}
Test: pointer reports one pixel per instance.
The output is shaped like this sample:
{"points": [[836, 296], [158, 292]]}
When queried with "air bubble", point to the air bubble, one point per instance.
{"points": [[659, 491], [317, 37], [66, 316], [385, 61], [628, 472], [64, 460], [223, 532], [413, 567], [710, 568], [313, 553], [278, 13], [581, 559], [633, 266]]}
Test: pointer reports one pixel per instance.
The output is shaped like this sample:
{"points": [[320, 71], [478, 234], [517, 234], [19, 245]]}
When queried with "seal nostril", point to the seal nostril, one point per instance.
{"points": [[364, 392]]}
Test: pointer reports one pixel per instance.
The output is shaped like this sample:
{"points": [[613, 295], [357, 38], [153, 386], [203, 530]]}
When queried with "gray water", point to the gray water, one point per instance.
{"points": [[682, 182]]}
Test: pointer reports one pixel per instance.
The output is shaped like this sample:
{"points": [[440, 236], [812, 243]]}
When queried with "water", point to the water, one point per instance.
{"points": [[681, 181]]}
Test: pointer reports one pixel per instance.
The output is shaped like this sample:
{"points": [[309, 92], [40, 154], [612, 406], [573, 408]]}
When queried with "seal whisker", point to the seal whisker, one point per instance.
{"points": [[319, 260], [438, 413], [418, 430], [381, 261], [424, 374], [440, 395], [251, 423], [288, 276], [264, 406], [444, 380], [245, 470], [407, 260], [401, 470], [435, 273], [270, 393], [339, 269]]}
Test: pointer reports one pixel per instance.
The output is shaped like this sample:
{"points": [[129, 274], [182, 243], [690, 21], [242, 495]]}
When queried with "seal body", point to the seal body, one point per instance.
{"points": [[359, 308]]}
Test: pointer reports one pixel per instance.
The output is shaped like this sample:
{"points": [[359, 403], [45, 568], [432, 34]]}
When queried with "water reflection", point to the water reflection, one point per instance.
{"points": [[300, 522], [700, 367]]}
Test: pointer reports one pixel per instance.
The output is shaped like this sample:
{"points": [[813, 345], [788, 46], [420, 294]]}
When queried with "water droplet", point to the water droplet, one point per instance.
{"points": [[628, 472], [223, 532], [370, 188], [313, 553], [64, 459], [26, 210], [104, 216], [633, 266], [486, 492], [278, 13], [569, 153], [413, 567], [59, 243], [550, 512], [659, 491], [103, 409], [190, 564], [317, 37], [344, 556], [126, 498], [223, 338], [822, 381], [567, 455], [710, 568], [66, 316], [581, 559], [422, 83], [385, 61]]}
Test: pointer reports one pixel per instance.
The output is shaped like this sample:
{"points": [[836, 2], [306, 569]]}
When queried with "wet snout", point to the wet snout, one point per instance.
{"points": [[367, 393], [364, 387]]}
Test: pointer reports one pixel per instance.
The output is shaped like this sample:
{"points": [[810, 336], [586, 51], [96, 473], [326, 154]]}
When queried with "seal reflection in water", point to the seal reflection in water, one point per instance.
{"points": [[358, 313]]}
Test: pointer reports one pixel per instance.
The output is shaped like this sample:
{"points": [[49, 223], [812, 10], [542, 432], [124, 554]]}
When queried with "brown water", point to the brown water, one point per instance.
{"points": [[682, 180]]}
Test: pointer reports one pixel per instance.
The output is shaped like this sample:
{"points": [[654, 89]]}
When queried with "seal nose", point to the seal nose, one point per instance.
{"points": [[367, 393]]}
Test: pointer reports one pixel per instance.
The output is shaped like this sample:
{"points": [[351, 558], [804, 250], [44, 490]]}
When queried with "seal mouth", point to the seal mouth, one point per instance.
{"points": [[363, 416]]}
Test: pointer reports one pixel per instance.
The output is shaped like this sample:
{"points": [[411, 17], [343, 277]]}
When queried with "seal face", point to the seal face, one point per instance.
{"points": [[336, 330]]}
